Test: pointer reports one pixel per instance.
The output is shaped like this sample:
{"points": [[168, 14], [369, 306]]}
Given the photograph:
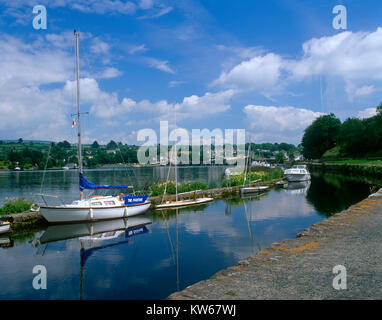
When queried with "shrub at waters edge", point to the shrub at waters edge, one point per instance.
{"points": [[18, 205], [237, 179], [157, 189]]}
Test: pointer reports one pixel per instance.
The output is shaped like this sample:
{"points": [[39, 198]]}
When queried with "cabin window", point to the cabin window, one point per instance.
{"points": [[98, 203], [109, 203]]}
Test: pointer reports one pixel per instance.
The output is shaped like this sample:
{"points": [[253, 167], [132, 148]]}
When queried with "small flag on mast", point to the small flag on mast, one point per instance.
{"points": [[73, 123]]}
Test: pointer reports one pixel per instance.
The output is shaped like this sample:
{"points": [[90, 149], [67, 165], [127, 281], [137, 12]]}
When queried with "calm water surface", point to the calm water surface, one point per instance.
{"points": [[153, 255]]}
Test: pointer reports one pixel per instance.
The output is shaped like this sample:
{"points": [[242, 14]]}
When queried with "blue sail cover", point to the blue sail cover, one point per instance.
{"points": [[84, 184]]}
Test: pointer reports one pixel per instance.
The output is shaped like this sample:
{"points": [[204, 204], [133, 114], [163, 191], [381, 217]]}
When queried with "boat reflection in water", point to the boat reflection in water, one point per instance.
{"points": [[5, 242], [95, 236], [297, 188], [96, 231]]}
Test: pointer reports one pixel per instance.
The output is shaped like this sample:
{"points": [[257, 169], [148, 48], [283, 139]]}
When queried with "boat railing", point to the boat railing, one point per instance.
{"points": [[42, 195]]}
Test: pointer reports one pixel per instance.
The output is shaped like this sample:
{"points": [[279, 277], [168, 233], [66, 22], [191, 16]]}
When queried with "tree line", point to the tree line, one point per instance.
{"points": [[354, 138], [57, 155], [40, 155]]}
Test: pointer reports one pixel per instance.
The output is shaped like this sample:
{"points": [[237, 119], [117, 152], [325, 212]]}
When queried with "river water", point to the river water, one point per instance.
{"points": [[160, 252]]}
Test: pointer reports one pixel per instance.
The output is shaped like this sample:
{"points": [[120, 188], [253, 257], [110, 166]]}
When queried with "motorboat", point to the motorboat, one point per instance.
{"points": [[297, 173]]}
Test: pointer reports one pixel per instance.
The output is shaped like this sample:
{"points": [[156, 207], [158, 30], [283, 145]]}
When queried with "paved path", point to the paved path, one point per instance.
{"points": [[302, 268]]}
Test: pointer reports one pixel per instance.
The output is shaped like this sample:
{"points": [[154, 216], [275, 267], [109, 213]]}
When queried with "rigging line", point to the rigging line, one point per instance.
{"points": [[129, 169], [46, 164], [87, 61], [169, 237], [165, 187], [249, 228], [177, 252]]}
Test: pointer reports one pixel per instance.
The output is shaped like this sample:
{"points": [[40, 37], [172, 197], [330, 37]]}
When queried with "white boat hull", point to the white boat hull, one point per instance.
{"points": [[297, 177], [5, 227], [64, 214], [254, 189], [183, 203]]}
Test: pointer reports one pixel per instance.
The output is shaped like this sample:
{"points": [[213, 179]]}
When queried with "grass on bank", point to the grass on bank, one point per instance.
{"points": [[15, 205], [157, 189], [355, 162], [263, 174]]}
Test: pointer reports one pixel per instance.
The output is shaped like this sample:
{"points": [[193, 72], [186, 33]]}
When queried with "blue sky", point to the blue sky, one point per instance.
{"points": [[270, 67]]}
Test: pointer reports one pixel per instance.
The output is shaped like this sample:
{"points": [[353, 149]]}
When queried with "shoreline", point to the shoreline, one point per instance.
{"points": [[361, 169], [302, 268], [33, 219], [127, 166]]}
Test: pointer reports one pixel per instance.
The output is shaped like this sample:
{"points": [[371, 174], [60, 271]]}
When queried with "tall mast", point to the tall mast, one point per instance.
{"points": [[246, 165], [176, 168], [77, 35]]}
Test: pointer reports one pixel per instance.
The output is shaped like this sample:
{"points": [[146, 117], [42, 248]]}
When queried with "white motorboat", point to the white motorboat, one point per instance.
{"points": [[98, 207], [297, 173], [5, 226]]}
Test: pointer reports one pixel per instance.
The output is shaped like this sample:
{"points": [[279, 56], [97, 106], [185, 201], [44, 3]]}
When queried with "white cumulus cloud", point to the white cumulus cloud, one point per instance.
{"points": [[270, 123], [367, 113]]}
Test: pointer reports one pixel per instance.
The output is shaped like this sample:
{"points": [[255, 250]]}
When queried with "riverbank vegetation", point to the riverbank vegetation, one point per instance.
{"points": [[15, 205], [263, 174], [329, 139], [157, 189]]}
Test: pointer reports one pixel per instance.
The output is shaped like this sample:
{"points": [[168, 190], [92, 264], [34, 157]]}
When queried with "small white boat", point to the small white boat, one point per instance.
{"points": [[65, 168], [254, 189], [4, 226], [183, 203], [297, 173]]}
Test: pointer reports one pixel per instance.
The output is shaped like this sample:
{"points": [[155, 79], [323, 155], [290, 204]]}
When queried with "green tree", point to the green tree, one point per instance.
{"points": [[280, 157], [65, 144], [352, 137], [95, 145], [111, 145], [320, 136], [379, 108]]}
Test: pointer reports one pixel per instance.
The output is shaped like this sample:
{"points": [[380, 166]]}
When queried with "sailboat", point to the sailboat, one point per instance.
{"points": [[97, 207], [192, 196], [250, 189]]}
